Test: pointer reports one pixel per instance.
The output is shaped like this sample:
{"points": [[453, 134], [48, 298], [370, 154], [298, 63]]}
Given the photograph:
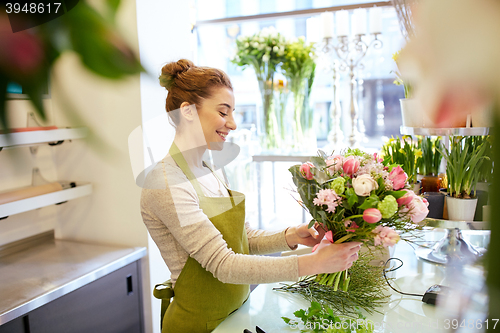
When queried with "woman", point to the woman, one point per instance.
{"points": [[198, 223]]}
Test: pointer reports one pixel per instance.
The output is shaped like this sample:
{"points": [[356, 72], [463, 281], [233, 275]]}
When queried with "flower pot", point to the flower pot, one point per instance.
{"points": [[431, 183], [461, 209], [436, 204], [412, 117]]}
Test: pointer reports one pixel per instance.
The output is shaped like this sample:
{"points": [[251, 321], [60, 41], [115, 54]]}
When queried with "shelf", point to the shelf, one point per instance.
{"points": [[463, 225], [18, 139], [44, 200], [463, 131]]}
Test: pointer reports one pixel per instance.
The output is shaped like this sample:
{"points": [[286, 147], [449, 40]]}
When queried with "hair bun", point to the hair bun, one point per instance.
{"points": [[172, 70]]}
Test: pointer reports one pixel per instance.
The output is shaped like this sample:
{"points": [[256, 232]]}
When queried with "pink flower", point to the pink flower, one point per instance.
{"points": [[351, 165], [305, 170], [372, 215], [407, 198], [376, 158], [398, 177], [385, 236], [417, 209], [329, 236], [327, 197], [334, 163], [351, 225]]}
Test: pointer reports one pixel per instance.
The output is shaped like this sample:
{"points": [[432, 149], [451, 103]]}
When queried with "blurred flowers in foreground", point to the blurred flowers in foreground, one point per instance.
{"points": [[27, 56], [453, 59]]}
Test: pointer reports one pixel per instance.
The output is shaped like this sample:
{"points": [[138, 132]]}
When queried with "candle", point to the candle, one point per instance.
{"points": [[359, 22], [327, 24], [376, 20], [342, 17], [313, 33]]}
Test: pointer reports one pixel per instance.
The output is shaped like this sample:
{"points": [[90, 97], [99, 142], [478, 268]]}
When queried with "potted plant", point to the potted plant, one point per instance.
{"points": [[405, 153], [428, 164], [464, 160]]}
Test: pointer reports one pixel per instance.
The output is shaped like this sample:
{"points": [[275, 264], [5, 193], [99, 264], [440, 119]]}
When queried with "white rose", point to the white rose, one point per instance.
{"points": [[265, 57], [276, 49], [364, 184], [255, 44]]}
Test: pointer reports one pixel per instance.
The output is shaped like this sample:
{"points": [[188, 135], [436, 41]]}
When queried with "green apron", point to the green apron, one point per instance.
{"points": [[201, 301]]}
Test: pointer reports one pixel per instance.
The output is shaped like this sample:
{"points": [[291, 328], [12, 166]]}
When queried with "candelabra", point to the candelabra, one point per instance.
{"points": [[350, 53]]}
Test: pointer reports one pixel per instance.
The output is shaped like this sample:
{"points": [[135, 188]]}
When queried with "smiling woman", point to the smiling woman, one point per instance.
{"points": [[199, 224]]}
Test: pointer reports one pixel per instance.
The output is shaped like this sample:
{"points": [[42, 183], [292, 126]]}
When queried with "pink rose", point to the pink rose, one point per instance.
{"points": [[351, 165], [385, 236], [334, 163], [372, 215], [398, 178], [407, 198], [305, 170], [417, 209]]}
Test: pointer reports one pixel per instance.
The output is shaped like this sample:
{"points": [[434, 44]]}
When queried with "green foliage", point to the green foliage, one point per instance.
{"points": [[319, 318], [428, 163], [463, 162], [403, 152], [83, 30], [367, 289]]}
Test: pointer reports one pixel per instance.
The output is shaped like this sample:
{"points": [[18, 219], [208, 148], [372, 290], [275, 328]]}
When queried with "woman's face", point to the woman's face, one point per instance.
{"points": [[216, 117]]}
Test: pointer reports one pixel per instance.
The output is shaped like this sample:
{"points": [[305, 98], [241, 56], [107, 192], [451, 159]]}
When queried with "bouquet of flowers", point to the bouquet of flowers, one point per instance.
{"points": [[355, 197]]}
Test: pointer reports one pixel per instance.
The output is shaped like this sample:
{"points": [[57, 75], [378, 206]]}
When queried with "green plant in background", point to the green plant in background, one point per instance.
{"points": [[464, 160], [428, 164], [403, 152], [27, 57], [264, 52], [486, 170], [299, 69], [399, 81]]}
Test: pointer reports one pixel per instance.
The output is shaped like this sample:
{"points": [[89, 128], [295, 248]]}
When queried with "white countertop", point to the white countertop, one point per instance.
{"points": [[402, 313]]}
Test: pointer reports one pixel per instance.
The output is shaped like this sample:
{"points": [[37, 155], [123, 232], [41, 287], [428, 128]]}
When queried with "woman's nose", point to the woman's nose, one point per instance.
{"points": [[230, 123]]}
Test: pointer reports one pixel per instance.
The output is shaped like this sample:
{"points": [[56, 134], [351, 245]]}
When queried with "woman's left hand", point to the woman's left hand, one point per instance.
{"points": [[301, 234]]}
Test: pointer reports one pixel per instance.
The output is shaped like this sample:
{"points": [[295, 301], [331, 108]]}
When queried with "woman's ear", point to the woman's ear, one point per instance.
{"points": [[187, 111]]}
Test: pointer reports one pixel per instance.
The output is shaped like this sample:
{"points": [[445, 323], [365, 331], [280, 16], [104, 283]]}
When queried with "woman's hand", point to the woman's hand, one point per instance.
{"points": [[301, 234], [329, 258]]}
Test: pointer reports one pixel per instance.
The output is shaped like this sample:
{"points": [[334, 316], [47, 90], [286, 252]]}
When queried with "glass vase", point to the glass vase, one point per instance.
{"points": [[303, 135], [268, 126]]}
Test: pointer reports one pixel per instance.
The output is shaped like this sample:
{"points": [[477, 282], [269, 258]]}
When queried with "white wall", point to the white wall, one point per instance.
{"points": [[164, 36]]}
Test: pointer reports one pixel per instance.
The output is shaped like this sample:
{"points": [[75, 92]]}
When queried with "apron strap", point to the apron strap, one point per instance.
{"points": [[165, 292], [181, 162]]}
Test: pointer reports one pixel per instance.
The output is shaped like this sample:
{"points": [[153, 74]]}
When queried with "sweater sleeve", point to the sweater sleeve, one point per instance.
{"points": [[266, 241], [176, 205]]}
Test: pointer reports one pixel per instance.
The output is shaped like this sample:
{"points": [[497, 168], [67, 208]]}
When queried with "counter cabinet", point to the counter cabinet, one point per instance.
{"points": [[109, 304]]}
